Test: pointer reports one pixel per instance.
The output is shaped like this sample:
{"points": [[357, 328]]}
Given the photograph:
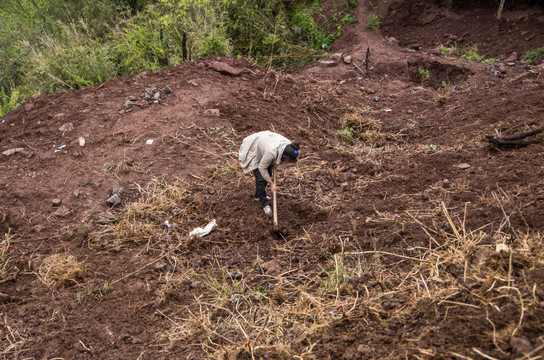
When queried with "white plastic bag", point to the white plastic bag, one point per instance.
{"points": [[200, 232]]}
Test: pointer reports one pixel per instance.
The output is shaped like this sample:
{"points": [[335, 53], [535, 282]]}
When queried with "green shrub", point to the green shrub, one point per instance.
{"points": [[71, 60], [138, 46], [9, 102], [350, 4], [532, 55], [346, 134], [373, 22], [314, 36], [471, 54], [348, 19], [424, 74], [213, 45]]}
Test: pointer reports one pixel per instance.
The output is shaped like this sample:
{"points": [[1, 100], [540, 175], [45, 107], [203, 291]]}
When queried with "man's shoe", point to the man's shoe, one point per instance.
{"points": [[267, 210]]}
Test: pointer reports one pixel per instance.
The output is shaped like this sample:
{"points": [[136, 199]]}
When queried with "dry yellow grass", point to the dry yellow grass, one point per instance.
{"points": [[238, 321], [59, 270]]}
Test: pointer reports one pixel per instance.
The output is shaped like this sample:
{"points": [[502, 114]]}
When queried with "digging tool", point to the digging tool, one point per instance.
{"points": [[274, 202], [276, 231]]}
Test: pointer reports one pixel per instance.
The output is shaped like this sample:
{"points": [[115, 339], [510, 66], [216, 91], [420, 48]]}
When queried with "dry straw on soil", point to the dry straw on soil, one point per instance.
{"points": [[59, 270], [459, 273], [160, 206]]}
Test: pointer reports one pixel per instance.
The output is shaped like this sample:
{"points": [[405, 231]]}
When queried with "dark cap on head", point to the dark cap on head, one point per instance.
{"points": [[291, 153]]}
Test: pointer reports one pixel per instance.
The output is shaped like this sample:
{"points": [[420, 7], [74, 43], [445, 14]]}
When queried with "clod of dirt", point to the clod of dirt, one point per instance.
{"points": [[521, 345], [115, 198], [226, 69], [279, 232]]}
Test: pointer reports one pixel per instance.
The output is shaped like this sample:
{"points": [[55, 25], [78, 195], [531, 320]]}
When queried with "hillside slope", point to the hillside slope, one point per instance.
{"points": [[392, 218]]}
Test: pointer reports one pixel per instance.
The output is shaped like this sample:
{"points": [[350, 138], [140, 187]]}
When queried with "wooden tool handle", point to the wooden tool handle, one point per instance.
{"points": [[274, 198]]}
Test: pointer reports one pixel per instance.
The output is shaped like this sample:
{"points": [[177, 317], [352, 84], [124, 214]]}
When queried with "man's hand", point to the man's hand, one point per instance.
{"points": [[272, 186]]}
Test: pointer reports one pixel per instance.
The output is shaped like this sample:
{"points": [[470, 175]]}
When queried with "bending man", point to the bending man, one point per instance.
{"points": [[258, 153]]}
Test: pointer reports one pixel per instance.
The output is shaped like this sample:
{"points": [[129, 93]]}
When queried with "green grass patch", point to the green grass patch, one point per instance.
{"points": [[533, 55], [374, 21]]}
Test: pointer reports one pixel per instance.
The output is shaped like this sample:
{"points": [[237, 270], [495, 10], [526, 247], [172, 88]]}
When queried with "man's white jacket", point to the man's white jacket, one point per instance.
{"points": [[260, 150]]}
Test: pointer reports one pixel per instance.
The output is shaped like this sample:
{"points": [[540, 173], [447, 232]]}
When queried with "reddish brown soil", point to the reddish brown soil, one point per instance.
{"points": [[366, 196]]}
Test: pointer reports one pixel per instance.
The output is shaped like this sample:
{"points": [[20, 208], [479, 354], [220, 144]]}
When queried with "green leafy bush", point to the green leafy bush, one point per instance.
{"points": [[8, 102], [348, 19], [471, 54], [373, 22], [71, 60], [424, 74], [532, 55], [315, 36], [58, 44], [346, 134]]}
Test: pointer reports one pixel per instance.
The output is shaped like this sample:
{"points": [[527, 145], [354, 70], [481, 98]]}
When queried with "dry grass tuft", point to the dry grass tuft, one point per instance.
{"points": [[11, 341], [159, 202], [60, 271], [4, 256], [361, 125], [364, 128]]}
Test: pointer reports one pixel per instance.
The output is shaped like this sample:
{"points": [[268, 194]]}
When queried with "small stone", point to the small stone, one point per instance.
{"points": [[113, 200], [347, 59], [62, 211], [56, 202], [160, 266], [446, 183], [463, 166], [12, 151], [77, 193], [167, 90], [128, 104], [271, 267], [117, 189], [481, 255], [337, 57], [81, 141], [38, 228], [393, 41], [66, 127], [364, 349], [512, 58], [328, 63], [226, 69], [212, 112], [117, 249], [521, 345]]}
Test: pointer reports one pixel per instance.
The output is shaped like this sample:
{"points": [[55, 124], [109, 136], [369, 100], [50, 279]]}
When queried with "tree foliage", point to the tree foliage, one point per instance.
{"points": [[52, 45]]}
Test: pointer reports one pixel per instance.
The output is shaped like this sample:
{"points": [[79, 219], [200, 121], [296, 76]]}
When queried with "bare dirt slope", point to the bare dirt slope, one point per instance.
{"points": [[392, 230]]}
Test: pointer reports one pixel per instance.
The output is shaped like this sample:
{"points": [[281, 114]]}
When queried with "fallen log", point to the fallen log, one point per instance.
{"points": [[515, 139]]}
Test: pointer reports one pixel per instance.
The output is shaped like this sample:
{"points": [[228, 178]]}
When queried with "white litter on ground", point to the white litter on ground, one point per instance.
{"points": [[200, 232]]}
